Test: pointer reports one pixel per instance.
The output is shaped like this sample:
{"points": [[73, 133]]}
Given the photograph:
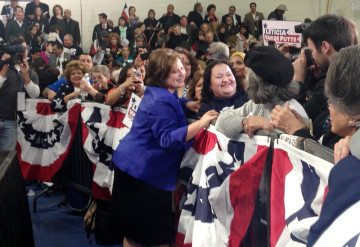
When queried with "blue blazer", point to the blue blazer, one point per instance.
{"points": [[153, 149]]}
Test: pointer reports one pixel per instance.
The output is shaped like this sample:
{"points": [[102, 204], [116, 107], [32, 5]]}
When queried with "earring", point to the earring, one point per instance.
{"points": [[353, 123]]}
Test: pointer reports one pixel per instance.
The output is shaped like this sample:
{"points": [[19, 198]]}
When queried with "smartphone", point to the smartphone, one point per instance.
{"points": [[138, 74], [145, 55]]}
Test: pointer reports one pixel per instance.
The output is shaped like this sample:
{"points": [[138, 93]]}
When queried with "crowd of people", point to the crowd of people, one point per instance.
{"points": [[191, 71]]}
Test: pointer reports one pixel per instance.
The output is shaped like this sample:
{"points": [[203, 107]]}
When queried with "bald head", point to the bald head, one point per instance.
{"points": [[67, 14]]}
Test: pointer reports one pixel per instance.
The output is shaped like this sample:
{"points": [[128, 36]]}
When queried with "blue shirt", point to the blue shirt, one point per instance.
{"points": [[56, 85], [153, 149]]}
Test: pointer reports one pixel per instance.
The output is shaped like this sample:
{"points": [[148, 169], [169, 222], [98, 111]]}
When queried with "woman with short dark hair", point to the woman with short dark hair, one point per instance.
{"points": [[147, 160], [220, 90], [210, 17], [123, 30]]}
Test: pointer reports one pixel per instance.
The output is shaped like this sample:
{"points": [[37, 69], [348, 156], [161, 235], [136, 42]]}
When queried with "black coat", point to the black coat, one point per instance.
{"points": [[30, 9], [129, 33], [169, 20], [237, 17], [195, 17], [70, 27]]}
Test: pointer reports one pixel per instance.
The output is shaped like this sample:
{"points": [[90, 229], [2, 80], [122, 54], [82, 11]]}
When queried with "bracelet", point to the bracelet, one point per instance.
{"points": [[122, 93]]}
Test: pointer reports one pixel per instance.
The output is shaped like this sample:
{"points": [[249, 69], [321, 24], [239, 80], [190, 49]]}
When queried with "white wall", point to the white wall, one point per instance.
{"points": [[86, 11]]}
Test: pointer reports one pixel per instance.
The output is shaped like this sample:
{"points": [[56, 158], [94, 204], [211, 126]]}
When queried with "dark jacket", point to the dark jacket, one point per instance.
{"points": [[195, 17], [218, 104], [169, 20], [276, 15], [129, 33], [312, 96], [70, 27], [237, 17], [54, 20], [6, 10], [314, 101], [14, 30], [8, 92], [99, 32], [2, 30], [43, 23], [177, 40], [30, 9]]}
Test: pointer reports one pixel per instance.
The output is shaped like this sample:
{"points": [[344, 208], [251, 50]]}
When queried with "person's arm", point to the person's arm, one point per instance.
{"points": [[230, 122], [300, 67], [95, 95], [30, 83], [164, 120], [200, 124], [94, 34], [317, 103], [49, 94], [4, 69], [46, 14], [70, 96], [119, 93], [115, 95]]}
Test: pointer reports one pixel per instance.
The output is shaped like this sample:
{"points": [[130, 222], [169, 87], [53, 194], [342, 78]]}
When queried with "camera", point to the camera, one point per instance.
{"points": [[145, 55], [15, 51], [308, 55], [303, 26]]}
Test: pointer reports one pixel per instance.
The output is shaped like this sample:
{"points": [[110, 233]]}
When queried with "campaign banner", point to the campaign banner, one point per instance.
{"points": [[131, 110], [220, 167], [281, 32]]}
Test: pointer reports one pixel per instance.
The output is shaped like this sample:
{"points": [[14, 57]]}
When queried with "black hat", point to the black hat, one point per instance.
{"points": [[270, 65]]}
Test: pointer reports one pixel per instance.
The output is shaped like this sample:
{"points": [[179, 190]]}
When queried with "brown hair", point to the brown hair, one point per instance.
{"points": [[57, 6], [160, 64], [71, 66], [114, 35], [192, 84]]}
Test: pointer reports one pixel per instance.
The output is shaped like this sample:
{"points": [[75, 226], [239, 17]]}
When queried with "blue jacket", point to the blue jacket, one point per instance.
{"points": [[153, 149]]}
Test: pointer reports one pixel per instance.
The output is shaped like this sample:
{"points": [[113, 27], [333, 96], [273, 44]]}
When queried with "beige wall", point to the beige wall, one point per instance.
{"points": [[87, 10]]}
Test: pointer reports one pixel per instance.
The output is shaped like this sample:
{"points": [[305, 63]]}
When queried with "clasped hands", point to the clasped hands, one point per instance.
{"points": [[281, 117]]}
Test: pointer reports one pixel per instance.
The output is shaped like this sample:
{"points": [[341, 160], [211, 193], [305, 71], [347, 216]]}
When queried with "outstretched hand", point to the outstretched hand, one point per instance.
{"points": [[208, 117]]}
